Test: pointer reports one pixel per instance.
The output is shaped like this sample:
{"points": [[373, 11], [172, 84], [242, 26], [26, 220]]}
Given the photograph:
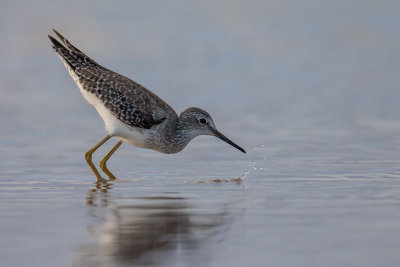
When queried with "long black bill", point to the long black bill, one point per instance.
{"points": [[224, 138]]}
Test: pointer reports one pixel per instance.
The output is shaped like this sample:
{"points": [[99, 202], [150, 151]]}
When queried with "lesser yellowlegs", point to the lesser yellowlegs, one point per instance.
{"points": [[130, 112]]}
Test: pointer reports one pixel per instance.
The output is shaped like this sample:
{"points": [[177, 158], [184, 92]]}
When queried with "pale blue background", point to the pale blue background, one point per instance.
{"points": [[315, 82]]}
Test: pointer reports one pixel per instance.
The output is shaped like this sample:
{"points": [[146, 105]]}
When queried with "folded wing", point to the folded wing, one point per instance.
{"points": [[127, 100]]}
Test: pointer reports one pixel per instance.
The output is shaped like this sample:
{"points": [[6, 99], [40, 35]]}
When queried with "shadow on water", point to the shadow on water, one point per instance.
{"points": [[150, 229]]}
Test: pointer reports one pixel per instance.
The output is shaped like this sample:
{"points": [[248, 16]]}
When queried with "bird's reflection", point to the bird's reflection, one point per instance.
{"points": [[99, 193], [146, 229]]}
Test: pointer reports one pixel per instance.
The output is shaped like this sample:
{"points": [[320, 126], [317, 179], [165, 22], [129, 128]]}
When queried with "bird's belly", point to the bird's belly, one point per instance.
{"points": [[116, 128]]}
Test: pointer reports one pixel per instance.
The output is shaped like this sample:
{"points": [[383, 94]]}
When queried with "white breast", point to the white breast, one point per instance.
{"points": [[115, 128]]}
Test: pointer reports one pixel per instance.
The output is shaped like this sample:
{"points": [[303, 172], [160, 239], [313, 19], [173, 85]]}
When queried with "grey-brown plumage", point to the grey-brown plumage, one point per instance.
{"points": [[130, 102], [132, 113]]}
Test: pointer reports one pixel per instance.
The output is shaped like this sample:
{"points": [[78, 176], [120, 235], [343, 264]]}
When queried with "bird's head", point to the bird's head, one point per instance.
{"points": [[196, 121]]}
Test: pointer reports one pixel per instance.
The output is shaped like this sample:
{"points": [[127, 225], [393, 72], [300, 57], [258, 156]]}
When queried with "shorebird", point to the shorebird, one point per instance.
{"points": [[131, 113]]}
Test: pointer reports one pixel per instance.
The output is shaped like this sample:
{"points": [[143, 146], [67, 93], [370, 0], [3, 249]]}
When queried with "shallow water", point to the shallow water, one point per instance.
{"points": [[310, 89]]}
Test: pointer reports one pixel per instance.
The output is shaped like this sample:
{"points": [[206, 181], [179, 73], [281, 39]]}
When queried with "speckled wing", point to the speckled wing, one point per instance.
{"points": [[127, 100]]}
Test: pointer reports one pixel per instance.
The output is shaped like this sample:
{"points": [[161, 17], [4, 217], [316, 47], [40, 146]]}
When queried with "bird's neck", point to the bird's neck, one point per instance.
{"points": [[182, 134]]}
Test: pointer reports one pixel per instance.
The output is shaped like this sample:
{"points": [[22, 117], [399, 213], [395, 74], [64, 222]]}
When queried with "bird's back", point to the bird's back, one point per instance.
{"points": [[127, 100]]}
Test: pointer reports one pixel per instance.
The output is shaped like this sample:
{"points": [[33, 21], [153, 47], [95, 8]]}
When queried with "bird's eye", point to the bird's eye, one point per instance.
{"points": [[203, 121]]}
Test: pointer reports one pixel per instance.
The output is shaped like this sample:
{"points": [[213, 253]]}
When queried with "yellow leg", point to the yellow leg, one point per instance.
{"points": [[88, 157], [103, 162]]}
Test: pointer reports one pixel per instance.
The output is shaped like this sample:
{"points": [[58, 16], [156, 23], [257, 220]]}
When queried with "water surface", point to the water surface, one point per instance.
{"points": [[308, 88]]}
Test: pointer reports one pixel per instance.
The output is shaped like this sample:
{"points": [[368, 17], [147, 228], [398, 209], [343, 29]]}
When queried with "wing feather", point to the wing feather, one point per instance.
{"points": [[127, 100]]}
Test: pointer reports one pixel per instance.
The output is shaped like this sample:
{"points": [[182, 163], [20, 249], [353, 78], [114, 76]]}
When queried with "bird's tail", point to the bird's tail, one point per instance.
{"points": [[71, 55]]}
